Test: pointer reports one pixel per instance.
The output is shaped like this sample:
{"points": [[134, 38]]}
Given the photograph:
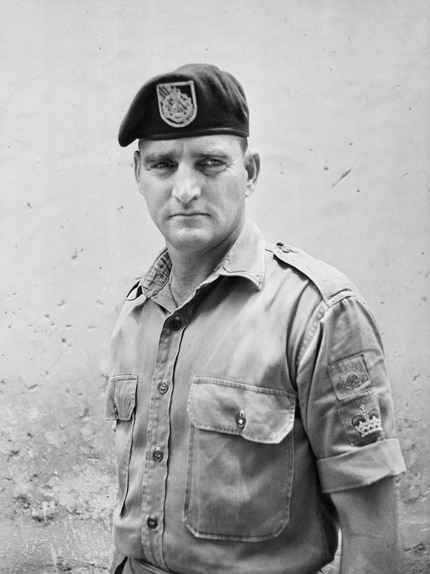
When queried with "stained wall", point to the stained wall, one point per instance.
{"points": [[338, 93]]}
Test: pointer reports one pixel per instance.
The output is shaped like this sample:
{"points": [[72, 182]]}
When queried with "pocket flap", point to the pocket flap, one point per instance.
{"points": [[258, 414], [121, 397]]}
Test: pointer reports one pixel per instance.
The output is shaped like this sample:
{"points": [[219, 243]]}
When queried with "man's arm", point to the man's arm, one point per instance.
{"points": [[369, 523]]}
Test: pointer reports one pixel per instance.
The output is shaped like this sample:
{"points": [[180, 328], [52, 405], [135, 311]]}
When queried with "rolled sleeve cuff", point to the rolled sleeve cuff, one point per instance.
{"points": [[361, 467]]}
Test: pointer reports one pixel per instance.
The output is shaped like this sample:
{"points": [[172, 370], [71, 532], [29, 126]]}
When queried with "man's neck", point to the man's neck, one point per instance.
{"points": [[189, 270], [187, 274]]}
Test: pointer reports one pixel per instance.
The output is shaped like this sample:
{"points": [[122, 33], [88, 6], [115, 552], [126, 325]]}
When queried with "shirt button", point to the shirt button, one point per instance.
{"points": [[163, 387], [175, 324], [152, 522], [241, 420], [157, 455]]}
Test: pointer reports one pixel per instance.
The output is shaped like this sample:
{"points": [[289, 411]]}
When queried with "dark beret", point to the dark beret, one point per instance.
{"points": [[194, 100]]}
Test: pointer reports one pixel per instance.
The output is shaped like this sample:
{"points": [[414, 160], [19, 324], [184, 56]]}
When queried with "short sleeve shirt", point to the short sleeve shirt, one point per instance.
{"points": [[238, 412]]}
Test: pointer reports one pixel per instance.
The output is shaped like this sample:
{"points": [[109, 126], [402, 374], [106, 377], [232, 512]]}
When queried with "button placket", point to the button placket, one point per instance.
{"points": [[156, 468]]}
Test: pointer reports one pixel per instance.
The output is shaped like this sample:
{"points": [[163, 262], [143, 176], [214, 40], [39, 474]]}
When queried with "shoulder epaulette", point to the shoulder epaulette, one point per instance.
{"points": [[330, 282]]}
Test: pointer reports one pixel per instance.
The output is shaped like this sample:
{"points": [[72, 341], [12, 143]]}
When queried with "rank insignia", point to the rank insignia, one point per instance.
{"points": [[177, 103], [349, 377], [366, 422], [362, 420]]}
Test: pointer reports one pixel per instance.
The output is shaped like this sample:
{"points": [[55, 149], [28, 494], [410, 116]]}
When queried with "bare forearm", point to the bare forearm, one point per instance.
{"points": [[375, 555], [370, 534]]}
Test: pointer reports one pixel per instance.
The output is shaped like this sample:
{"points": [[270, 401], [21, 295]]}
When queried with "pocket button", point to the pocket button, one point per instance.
{"points": [[241, 420]]}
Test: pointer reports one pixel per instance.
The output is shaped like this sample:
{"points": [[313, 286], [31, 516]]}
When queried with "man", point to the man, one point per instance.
{"points": [[252, 409]]}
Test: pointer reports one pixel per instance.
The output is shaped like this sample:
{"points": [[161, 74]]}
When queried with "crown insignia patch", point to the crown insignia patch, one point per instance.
{"points": [[367, 421], [177, 103], [362, 420]]}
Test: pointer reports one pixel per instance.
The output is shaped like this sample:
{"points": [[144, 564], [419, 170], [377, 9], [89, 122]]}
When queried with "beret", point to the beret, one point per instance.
{"points": [[194, 100]]}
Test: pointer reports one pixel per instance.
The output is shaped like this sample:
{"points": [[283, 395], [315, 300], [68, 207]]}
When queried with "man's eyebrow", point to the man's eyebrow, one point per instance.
{"points": [[211, 152], [155, 157]]}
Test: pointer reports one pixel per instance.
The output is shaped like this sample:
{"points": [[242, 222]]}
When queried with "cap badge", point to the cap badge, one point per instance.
{"points": [[177, 103]]}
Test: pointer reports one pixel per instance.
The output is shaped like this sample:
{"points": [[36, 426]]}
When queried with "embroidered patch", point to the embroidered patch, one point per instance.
{"points": [[349, 377], [367, 422], [362, 420], [177, 103]]}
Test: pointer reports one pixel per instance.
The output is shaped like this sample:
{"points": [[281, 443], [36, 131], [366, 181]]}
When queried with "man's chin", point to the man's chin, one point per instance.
{"points": [[190, 240]]}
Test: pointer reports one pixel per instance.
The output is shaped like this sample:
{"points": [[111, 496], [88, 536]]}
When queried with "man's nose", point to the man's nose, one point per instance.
{"points": [[186, 186]]}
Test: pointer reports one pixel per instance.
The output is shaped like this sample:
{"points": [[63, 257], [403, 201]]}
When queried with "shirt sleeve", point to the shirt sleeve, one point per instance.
{"points": [[345, 398]]}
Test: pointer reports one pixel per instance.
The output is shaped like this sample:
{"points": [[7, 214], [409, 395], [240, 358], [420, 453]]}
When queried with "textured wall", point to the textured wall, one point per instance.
{"points": [[339, 96]]}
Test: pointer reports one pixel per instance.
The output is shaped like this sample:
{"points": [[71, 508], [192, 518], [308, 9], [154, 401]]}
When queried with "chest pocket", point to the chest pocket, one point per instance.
{"points": [[240, 464], [120, 407]]}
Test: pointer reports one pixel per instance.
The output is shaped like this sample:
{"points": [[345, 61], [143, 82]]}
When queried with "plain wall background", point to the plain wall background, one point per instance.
{"points": [[339, 96]]}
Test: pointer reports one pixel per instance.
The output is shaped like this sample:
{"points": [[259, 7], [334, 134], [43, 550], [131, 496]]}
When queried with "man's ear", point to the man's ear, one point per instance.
{"points": [[252, 166], [136, 159]]}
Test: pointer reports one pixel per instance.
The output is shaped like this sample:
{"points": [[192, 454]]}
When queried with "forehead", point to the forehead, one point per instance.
{"points": [[220, 143]]}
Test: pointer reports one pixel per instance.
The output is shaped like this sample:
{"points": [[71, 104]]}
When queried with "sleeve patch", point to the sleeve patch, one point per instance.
{"points": [[349, 377], [362, 420]]}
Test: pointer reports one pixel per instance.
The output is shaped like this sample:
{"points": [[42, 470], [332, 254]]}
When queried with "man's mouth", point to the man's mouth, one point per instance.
{"points": [[188, 214]]}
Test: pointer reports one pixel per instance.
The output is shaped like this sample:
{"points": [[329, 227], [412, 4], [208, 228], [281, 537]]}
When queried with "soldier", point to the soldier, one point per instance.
{"points": [[250, 397]]}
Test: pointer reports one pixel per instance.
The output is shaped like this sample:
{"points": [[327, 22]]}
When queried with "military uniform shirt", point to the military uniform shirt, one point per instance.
{"points": [[238, 412]]}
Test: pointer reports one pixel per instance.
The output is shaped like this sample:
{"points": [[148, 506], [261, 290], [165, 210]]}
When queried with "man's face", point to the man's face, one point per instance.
{"points": [[195, 189]]}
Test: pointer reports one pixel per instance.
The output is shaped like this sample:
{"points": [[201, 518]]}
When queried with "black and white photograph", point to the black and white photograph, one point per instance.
{"points": [[215, 287]]}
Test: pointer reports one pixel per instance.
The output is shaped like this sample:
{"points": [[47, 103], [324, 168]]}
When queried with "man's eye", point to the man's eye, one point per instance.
{"points": [[212, 162], [162, 165]]}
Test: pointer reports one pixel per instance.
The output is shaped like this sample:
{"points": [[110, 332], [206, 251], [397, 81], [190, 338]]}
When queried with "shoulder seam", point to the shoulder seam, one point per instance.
{"points": [[333, 290]]}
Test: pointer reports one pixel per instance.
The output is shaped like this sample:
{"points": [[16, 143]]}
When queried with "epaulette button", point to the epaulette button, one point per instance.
{"points": [[284, 248]]}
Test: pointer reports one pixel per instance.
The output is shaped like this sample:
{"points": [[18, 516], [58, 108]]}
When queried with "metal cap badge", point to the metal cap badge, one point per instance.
{"points": [[177, 103], [194, 100]]}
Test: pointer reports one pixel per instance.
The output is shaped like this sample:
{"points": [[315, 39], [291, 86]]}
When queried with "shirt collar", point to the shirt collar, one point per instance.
{"points": [[246, 256], [244, 259]]}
